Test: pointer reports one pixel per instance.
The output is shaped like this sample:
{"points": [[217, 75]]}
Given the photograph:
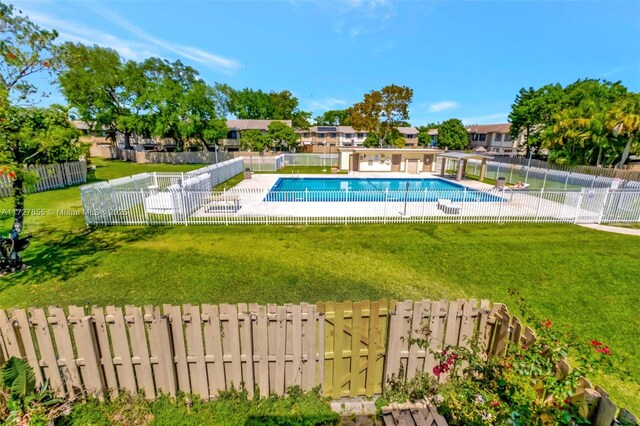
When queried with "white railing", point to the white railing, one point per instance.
{"points": [[49, 176], [328, 160], [540, 178], [189, 206]]}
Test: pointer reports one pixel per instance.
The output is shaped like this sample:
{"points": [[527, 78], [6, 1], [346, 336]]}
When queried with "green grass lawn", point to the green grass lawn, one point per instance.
{"points": [[571, 275]]}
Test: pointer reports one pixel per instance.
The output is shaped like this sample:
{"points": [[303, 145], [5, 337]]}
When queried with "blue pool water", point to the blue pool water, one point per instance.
{"points": [[372, 189]]}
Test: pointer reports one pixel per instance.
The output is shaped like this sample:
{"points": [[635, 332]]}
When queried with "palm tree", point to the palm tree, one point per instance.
{"points": [[624, 119]]}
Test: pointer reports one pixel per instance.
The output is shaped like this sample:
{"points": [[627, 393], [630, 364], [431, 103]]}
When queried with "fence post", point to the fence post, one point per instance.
{"points": [[386, 197], [539, 203], [498, 171], [424, 205], [604, 205], [464, 200], [544, 182], [501, 206], [566, 181], [144, 206], [576, 220]]}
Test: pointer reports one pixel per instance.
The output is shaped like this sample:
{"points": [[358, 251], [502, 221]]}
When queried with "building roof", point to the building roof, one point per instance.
{"points": [[489, 128], [393, 150], [253, 124], [464, 156], [408, 130]]}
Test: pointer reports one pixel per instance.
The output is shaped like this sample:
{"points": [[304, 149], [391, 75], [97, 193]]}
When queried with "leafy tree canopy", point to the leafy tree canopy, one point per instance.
{"points": [[381, 112], [281, 136], [336, 117], [452, 135]]}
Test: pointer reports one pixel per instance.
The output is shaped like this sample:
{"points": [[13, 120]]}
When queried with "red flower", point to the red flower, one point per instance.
{"points": [[547, 324], [436, 371], [495, 403], [525, 347], [12, 175], [596, 343], [11, 55]]}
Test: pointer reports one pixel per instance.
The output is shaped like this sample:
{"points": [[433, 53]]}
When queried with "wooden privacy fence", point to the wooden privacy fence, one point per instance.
{"points": [[50, 176], [349, 349]]}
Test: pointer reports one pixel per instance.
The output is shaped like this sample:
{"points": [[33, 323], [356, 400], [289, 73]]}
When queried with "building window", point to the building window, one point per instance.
{"points": [[498, 137], [348, 135], [305, 135], [507, 137], [361, 136], [482, 137], [233, 134], [320, 135], [474, 137], [332, 135]]}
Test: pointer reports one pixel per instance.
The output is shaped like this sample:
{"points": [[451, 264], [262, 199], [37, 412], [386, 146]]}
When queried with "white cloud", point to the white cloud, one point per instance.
{"points": [[443, 106], [354, 32], [487, 119], [325, 104], [219, 63]]}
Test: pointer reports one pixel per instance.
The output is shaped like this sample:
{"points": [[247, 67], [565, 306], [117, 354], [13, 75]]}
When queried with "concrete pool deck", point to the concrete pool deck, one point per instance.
{"points": [[527, 205]]}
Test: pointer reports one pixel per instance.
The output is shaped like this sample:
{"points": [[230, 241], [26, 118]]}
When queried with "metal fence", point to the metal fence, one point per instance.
{"points": [[545, 178], [49, 176], [191, 206], [626, 174]]}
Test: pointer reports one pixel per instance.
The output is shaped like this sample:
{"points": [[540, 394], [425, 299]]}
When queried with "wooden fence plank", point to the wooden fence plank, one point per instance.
{"points": [[179, 346], [261, 347], [106, 358], [308, 347], [468, 322], [9, 336], [47, 351], [452, 333], [320, 348], [436, 333], [26, 340], [84, 334], [296, 341], [374, 336], [121, 352], [281, 335], [246, 347], [213, 348], [503, 329], [396, 334], [413, 363], [66, 354], [338, 349], [140, 350], [195, 351], [231, 345], [356, 345], [161, 349]]}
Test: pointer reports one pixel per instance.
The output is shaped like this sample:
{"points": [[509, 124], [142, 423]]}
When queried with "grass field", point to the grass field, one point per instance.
{"points": [[586, 279]]}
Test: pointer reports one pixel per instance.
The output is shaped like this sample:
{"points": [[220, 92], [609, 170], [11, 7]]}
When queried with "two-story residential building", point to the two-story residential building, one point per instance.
{"points": [[236, 127], [494, 138], [315, 138]]}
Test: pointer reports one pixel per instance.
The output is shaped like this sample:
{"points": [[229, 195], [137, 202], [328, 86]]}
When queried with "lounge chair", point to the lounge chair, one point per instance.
{"points": [[447, 206]]}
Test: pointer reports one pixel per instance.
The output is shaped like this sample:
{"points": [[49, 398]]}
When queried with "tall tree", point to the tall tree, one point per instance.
{"points": [[103, 89], [533, 111], [381, 112], [424, 138], [28, 135], [335, 117], [254, 140], [281, 136], [258, 105], [623, 119], [452, 135]]}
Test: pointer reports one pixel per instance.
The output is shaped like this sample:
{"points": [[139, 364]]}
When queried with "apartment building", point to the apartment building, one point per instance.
{"points": [[494, 138], [315, 138], [236, 127]]}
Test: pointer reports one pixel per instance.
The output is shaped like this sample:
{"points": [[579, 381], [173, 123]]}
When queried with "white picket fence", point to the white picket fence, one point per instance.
{"points": [[183, 206], [260, 163], [50, 176]]}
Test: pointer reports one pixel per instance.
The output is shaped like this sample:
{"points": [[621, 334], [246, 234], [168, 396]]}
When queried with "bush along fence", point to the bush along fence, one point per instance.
{"points": [[349, 349], [49, 176]]}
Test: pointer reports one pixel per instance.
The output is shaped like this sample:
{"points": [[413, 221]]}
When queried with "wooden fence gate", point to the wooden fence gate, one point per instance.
{"points": [[355, 343]]}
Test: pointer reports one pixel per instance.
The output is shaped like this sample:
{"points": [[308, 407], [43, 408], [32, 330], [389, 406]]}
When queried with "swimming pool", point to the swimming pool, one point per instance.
{"points": [[372, 189]]}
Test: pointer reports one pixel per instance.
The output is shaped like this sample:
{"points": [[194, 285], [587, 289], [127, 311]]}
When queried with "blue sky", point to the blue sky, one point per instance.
{"points": [[463, 59]]}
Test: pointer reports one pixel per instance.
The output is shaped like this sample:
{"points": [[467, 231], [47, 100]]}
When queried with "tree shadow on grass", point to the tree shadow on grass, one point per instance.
{"points": [[60, 256]]}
